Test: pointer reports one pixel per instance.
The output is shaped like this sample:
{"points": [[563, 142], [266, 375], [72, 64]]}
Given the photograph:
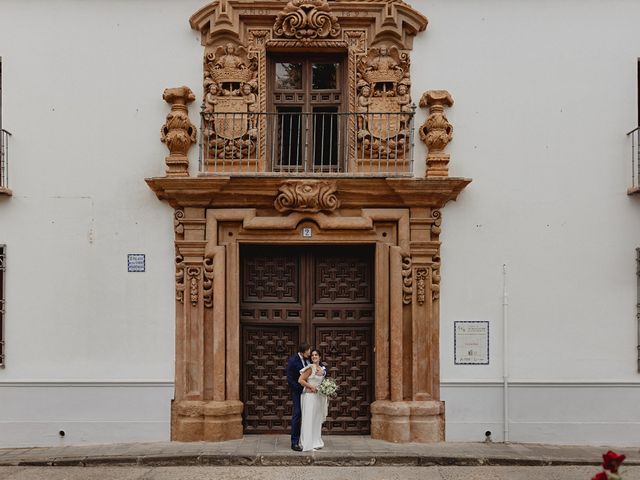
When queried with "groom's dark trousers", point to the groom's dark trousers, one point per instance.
{"points": [[294, 365]]}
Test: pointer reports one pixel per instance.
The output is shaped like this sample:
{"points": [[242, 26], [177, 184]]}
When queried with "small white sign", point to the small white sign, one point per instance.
{"points": [[306, 232], [135, 262], [471, 342]]}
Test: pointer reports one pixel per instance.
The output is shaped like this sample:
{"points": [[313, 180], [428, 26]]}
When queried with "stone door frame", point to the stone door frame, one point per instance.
{"points": [[406, 407]]}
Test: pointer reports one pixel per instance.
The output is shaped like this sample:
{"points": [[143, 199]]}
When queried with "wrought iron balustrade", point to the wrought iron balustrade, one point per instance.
{"points": [[4, 159], [635, 160], [301, 143]]}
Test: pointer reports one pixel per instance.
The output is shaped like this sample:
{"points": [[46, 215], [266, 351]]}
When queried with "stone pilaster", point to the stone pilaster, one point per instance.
{"points": [[201, 409]]}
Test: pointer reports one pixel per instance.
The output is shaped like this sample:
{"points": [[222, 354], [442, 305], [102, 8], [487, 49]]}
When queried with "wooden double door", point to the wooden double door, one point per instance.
{"points": [[319, 294]]}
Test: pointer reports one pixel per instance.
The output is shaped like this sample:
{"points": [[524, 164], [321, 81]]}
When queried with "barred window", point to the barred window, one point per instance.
{"points": [[3, 257]]}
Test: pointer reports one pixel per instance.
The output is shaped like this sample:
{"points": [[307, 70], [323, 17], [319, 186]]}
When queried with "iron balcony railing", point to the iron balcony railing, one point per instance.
{"points": [[635, 159], [300, 143], [4, 158]]}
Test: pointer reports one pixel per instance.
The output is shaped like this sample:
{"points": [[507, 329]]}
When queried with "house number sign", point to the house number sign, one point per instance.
{"points": [[471, 343], [307, 233]]}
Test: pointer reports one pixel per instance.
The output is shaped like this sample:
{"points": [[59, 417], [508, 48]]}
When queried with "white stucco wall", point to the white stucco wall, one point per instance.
{"points": [[544, 93]]}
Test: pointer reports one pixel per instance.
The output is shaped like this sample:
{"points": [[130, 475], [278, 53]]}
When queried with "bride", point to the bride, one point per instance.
{"points": [[314, 405]]}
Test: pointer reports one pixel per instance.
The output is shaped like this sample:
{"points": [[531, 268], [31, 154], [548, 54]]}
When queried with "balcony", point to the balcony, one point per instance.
{"points": [[634, 189], [295, 143], [4, 162]]}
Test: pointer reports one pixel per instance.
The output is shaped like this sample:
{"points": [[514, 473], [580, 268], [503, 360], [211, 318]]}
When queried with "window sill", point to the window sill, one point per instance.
{"points": [[6, 191], [633, 190]]}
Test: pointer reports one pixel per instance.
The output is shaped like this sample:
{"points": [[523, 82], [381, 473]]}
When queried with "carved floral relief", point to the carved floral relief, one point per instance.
{"points": [[193, 273], [421, 281]]}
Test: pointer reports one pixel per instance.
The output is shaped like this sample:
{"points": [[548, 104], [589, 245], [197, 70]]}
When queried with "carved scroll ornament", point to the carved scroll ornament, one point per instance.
{"points": [[179, 278], [307, 20], [407, 280], [307, 196], [207, 284], [435, 278], [178, 217]]}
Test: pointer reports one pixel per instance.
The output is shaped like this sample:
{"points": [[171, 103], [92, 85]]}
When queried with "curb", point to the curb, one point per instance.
{"points": [[278, 460]]}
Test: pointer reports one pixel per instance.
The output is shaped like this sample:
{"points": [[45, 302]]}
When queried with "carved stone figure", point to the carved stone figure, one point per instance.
{"points": [[382, 66], [229, 66], [178, 133], [229, 60], [436, 132], [307, 20]]}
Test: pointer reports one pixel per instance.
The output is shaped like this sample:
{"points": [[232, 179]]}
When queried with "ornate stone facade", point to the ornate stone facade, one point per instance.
{"points": [[399, 218], [238, 36]]}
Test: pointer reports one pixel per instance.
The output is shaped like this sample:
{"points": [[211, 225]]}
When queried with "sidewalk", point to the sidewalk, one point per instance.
{"points": [[274, 450]]}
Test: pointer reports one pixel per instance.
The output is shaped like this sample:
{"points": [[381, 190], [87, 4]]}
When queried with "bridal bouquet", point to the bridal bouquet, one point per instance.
{"points": [[328, 388]]}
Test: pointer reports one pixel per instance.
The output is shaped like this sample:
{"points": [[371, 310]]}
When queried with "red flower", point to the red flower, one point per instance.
{"points": [[612, 461], [600, 476]]}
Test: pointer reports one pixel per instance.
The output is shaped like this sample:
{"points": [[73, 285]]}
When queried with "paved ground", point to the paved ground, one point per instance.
{"points": [[306, 473], [344, 451]]}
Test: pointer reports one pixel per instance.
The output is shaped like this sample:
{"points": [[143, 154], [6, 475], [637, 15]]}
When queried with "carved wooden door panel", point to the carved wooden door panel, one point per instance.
{"points": [[319, 294]]}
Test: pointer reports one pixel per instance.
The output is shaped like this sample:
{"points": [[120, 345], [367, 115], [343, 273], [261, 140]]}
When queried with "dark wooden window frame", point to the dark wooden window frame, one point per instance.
{"points": [[303, 102]]}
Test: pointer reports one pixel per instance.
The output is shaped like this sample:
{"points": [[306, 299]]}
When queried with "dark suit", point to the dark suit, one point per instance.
{"points": [[294, 365]]}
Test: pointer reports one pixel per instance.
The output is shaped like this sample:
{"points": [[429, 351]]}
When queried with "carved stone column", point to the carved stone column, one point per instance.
{"points": [[178, 133], [436, 132]]}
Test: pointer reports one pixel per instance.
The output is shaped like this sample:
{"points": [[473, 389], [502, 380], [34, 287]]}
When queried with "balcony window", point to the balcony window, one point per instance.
{"points": [[306, 96], [4, 149], [300, 123]]}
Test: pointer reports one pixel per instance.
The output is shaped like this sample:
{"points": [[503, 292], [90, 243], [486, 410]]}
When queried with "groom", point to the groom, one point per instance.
{"points": [[296, 363]]}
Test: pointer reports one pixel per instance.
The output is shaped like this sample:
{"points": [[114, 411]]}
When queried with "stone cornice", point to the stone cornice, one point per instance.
{"points": [[389, 21], [261, 191]]}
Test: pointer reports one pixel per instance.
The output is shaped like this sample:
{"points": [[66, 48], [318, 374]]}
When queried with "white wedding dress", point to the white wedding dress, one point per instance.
{"points": [[314, 412]]}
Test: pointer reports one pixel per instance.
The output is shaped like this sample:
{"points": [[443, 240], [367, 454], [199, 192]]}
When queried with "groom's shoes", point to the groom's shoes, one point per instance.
{"points": [[297, 448]]}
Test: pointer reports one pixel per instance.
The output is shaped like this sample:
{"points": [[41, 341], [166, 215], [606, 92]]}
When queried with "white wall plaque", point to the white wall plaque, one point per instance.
{"points": [[135, 262], [306, 232], [471, 342]]}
